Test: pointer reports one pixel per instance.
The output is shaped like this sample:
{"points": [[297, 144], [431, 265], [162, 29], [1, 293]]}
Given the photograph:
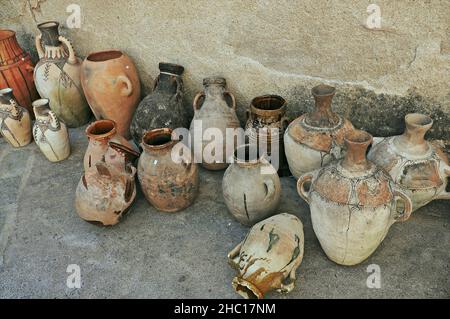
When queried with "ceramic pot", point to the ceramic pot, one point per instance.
{"points": [[268, 257], [265, 127], [251, 187], [214, 109], [353, 203], [164, 106], [111, 84], [57, 76], [100, 134], [314, 139], [105, 193], [49, 133], [15, 122], [170, 184], [16, 70], [421, 168]]}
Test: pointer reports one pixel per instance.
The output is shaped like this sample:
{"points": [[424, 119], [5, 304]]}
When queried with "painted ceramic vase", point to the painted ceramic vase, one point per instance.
{"points": [[265, 127], [251, 187], [57, 76], [353, 203], [315, 139], [214, 108], [268, 257], [100, 134], [49, 133], [111, 84], [164, 106], [421, 168], [169, 184], [15, 122], [105, 193], [16, 70]]}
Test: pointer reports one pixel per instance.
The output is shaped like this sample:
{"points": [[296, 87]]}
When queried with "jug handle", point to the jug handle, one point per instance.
{"points": [[445, 194], [301, 190], [196, 100], [233, 99], [54, 121], [270, 188], [128, 89], [39, 48], [72, 58], [233, 256], [408, 205]]}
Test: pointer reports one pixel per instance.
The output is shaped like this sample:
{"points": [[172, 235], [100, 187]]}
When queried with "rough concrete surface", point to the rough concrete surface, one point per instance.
{"points": [[282, 47], [182, 255]]}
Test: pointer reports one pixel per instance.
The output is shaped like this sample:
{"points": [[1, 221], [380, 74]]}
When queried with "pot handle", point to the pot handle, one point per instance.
{"points": [[300, 189], [128, 89], [444, 194], [196, 100], [38, 44], [270, 186], [72, 58], [406, 202], [233, 99], [233, 256], [54, 121]]}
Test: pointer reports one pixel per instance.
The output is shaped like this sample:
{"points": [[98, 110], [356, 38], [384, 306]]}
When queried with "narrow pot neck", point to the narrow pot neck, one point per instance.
{"points": [[413, 139], [50, 33], [356, 144], [247, 289], [323, 115], [167, 83]]}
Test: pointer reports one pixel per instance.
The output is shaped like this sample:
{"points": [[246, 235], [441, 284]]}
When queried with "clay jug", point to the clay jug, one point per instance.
{"points": [[15, 122], [268, 257], [214, 108], [49, 133], [421, 168], [164, 106], [16, 70], [111, 84], [170, 183], [353, 203], [105, 193], [314, 139], [100, 134], [57, 76], [251, 187], [265, 127]]}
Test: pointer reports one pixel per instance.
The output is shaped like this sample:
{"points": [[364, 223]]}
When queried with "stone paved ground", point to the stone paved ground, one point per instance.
{"points": [[183, 255]]}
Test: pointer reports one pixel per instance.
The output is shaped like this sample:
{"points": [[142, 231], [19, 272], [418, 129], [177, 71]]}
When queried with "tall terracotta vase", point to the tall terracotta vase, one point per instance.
{"points": [[170, 184], [101, 134], [111, 84], [164, 106], [214, 110], [57, 76], [15, 122], [314, 139], [420, 167], [16, 70], [353, 203]]}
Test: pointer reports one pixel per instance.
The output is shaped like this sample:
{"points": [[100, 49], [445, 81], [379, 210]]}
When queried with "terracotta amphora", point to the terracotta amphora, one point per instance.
{"points": [[49, 133], [353, 203], [169, 182], [100, 134], [314, 139], [16, 70], [57, 76], [105, 193], [111, 84], [214, 110], [15, 122], [268, 257], [265, 127], [164, 106], [420, 167], [251, 187]]}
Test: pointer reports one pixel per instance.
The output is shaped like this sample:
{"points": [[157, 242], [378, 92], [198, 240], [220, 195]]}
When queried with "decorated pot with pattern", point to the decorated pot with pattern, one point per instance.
{"points": [[353, 203], [57, 76], [15, 121], [420, 167], [268, 257]]}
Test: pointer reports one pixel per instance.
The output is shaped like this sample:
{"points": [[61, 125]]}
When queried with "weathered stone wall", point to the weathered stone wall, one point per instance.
{"points": [[283, 47]]}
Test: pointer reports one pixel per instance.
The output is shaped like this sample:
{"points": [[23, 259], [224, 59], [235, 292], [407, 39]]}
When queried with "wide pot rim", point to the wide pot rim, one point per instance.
{"points": [[154, 134], [268, 112], [104, 56], [107, 128]]}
